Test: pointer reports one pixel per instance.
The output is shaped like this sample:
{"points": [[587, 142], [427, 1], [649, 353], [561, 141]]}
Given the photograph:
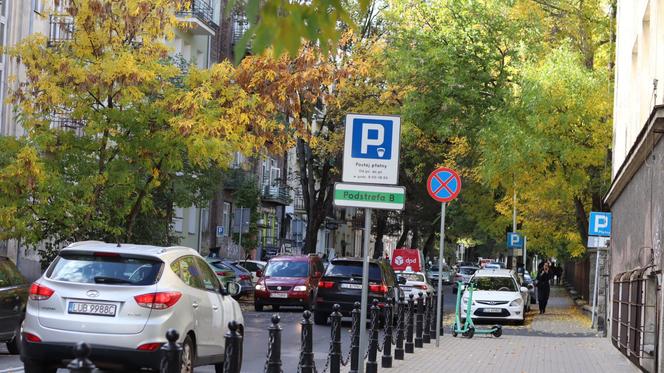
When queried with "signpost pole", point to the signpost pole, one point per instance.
{"points": [[439, 304], [595, 288], [365, 288], [241, 227], [525, 254]]}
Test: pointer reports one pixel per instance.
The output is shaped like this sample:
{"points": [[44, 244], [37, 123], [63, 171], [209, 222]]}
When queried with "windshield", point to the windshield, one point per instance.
{"points": [[467, 271], [90, 269], [494, 283], [352, 269], [284, 268], [411, 276]]}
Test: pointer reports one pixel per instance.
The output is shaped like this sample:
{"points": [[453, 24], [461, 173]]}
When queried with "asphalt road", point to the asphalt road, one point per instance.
{"points": [[256, 337]]}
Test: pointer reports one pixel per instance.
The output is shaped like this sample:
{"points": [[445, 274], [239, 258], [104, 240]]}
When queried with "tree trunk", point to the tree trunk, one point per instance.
{"points": [[404, 234], [428, 244], [581, 219], [414, 244]]}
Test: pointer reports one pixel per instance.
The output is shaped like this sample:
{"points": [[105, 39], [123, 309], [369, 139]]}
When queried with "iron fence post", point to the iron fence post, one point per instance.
{"points": [[232, 354], [398, 348], [418, 321], [81, 363], [372, 364], [171, 360], [410, 347], [335, 352], [273, 364], [386, 359], [426, 337], [355, 341], [307, 362]]}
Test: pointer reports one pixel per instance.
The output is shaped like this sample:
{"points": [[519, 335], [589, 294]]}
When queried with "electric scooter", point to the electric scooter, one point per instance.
{"points": [[468, 327]]}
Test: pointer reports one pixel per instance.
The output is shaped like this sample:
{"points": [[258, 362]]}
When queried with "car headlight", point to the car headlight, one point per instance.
{"points": [[260, 287], [300, 288], [516, 302]]}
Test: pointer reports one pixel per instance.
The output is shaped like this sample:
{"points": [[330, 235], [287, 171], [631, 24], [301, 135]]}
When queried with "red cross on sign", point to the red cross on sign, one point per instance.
{"points": [[444, 184]]}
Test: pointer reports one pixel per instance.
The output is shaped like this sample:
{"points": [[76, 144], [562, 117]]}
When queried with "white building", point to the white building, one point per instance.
{"points": [[635, 309]]}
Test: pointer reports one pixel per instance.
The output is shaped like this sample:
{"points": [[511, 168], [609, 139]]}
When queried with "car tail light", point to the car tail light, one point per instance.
{"points": [[222, 273], [149, 347], [106, 254], [423, 287], [31, 338], [245, 277], [158, 301], [378, 288], [326, 284], [39, 292]]}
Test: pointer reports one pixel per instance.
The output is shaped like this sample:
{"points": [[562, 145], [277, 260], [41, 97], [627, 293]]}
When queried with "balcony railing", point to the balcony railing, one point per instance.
{"points": [[202, 11], [240, 27], [276, 194], [61, 29], [298, 203], [66, 123]]}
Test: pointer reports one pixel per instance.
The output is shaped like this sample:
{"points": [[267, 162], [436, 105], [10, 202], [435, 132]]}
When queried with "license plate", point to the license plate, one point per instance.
{"points": [[278, 295], [351, 286], [493, 310], [98, 309]]}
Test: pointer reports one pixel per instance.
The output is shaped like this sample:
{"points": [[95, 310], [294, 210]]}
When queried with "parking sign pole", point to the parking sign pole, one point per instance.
{"points": [[365, 288], [439, 305]]}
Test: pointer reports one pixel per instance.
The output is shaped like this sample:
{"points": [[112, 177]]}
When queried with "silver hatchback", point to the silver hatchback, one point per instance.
{"points": [[121, 300]]}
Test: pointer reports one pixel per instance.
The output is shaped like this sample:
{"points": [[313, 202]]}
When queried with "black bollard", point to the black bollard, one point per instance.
{"points": [[273, 364], [372, 363], [419, 321], [171, 361], [432, 317], [426, 337], [233, 350], [307, 364], [410, 347], [442, 307], [386, 359], [401, 315], [335, 348], [355, 341], [81, 363]]}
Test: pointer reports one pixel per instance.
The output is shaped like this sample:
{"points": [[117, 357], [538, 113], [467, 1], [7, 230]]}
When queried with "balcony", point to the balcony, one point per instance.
{"points": [[277, 194], [237, 178], [200, 15], [298, 204], [60, 29], [65, 123]]}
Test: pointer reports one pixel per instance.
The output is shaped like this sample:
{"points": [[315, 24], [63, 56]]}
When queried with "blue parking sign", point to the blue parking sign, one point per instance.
{"points": [[372, 138], [599, 224], [514, 240]]}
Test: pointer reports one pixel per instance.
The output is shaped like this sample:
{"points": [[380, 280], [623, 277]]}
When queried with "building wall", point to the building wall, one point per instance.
{"points": [[639, 61]]}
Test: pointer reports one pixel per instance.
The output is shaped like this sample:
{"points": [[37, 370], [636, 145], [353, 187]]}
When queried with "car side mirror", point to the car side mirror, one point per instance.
{"points": [[524, 289], [401, 280], [259, 273], [530, 286], [233, 288]]}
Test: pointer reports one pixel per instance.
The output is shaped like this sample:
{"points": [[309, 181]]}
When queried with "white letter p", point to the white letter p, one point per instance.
{"points": [[366, 141]]}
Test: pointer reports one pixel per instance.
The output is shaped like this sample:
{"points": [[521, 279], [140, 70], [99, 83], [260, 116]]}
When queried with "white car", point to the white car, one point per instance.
{"points": [[416, 282], [121, 300], [256, 267], [497, 296]]}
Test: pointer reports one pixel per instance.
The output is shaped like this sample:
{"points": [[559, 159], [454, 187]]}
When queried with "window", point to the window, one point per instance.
{"points": [[494, 283], [210, 280], [110, 270], [283, 268], [186, 269], [340, 268], [177, 219], [192, 220], [226, 218]]}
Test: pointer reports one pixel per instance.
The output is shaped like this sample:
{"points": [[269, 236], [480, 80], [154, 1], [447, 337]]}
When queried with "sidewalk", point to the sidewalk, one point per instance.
{"points": [[559, 341]]}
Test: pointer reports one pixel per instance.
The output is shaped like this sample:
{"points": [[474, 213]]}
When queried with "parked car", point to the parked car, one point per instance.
{"points": [[530, 284], [121, 300], [256, 267], [492, 266], [416, 282], [447, 274], [13, 298], [225, 273], [242, 277], [289, 281], [497, 296], [342, 284], [463, 274]]}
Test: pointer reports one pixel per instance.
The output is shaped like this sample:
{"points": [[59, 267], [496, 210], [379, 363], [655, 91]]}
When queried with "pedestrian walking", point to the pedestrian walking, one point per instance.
{"points": [[543, 287]]}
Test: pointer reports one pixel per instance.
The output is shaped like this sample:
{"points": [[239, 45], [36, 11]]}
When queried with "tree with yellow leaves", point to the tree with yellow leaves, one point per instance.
{"points": [[118, 132]]}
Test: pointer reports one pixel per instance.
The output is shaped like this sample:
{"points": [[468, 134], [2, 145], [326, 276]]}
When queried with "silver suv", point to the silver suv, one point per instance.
{"points": [[121, 300]]}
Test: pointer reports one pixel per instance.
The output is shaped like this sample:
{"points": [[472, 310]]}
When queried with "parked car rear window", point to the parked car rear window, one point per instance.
{"points": [[411, 276], [467, 271], [284, 268], [494, 283], [352, 269], [90, 269]]}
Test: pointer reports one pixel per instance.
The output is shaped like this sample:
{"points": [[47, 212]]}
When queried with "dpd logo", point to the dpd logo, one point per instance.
{"points": [[398, 260]]}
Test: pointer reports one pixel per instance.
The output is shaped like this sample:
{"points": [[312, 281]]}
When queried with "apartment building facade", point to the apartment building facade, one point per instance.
{"points": [[636, 197]]}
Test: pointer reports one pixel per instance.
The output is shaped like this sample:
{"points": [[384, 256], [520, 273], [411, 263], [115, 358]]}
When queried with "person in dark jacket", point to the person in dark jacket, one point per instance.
{"points": [[543, 287]]}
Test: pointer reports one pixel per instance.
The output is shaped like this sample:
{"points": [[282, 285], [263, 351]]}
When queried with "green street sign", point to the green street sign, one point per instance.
{"points": [[369, 196]]}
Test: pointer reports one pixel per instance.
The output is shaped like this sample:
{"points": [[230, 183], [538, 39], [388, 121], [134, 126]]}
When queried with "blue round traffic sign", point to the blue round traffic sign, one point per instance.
{"points": [[444, 184]]}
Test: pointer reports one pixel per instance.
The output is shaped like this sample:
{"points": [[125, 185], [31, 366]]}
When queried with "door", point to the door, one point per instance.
{"points": [[213, 330], [9, 300], [201, 307]]}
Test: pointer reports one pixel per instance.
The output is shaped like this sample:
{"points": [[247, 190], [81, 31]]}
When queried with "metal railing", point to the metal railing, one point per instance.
{"points": [[277, 194], [60, 29], [240, 27], [202, 10]]}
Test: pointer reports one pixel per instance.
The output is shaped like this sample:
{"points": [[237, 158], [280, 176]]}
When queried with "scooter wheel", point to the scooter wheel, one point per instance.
{"points": [[498, 331], [471, 333], [454, 330]]}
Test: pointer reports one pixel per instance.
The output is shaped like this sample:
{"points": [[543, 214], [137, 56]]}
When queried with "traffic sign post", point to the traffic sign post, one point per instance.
{"points": [[371, 156], [599, 233], [443, 185]]}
